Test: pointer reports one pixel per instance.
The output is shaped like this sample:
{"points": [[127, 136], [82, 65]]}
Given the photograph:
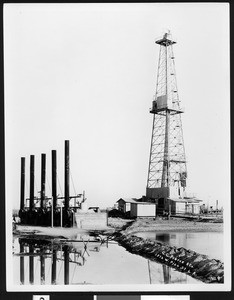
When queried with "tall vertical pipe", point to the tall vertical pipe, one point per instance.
{"points": [[22, 183], [43, 179], [54, 178], [31, 197], [67, 171]]}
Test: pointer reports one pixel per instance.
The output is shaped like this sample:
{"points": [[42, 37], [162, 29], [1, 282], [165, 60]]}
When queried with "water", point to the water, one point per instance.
{"points": [[208, 243], [92, 263]]}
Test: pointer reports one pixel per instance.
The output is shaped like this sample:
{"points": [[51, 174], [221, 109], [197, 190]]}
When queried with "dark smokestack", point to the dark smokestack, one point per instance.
{"points": [[43, 179], [31, 197], [66, 186], [22, 183], [54, 178]]}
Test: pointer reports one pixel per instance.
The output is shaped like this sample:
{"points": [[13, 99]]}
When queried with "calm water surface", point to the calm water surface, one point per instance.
{"points": [[93, 263], [208, 243]]}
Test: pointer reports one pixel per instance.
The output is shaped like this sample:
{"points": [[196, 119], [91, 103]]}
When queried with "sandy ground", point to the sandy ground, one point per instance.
{"points": [[163, 225]]}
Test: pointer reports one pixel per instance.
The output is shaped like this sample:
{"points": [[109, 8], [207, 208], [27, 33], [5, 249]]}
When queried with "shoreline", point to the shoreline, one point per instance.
{"points": [[194, 264], [173, 225]]}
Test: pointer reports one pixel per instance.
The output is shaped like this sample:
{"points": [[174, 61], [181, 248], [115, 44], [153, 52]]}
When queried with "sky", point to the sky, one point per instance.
{"points": [[87, 73]]}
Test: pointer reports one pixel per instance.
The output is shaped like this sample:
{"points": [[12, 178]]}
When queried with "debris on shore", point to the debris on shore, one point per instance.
{"points": [[196, 265]]}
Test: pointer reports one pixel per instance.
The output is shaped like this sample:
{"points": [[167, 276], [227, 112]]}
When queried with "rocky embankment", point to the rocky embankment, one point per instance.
{"points": [[190, 262]]}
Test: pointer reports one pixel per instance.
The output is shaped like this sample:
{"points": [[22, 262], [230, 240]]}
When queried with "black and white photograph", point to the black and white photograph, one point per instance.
{"points": [[117, 147]]}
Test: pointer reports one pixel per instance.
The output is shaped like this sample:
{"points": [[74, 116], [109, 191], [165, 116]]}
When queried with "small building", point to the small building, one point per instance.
{"points": [[136, 207], [124, 204], [177, 206], [142, 209]]}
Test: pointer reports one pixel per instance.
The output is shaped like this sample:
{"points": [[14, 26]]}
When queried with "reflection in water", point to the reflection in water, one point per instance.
{"points": [[153, 273], [165, 238], [56, 253], [208, 243], [21, 264], [166, 274], [44, 262]]}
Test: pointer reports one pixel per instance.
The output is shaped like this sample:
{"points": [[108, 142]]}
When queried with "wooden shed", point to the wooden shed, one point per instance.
{"points": [[142, 209], [124, 204]]}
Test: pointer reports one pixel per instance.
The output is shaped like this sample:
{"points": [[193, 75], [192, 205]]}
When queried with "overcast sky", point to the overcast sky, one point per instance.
{"points": [[87, 73]]}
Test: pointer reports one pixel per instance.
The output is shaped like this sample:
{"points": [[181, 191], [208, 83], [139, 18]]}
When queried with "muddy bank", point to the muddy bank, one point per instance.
{"points": [[194, 264], [41, 232], [190, 262]]}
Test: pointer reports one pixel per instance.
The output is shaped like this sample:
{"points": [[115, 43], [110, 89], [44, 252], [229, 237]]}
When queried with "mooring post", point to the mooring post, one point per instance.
{"points": [[22, 183], [31, 197], [43, 179], [67, 171]]}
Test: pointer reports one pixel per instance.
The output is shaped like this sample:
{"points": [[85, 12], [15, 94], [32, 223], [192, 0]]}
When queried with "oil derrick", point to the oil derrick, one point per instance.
{"points": [[167, 171]]}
